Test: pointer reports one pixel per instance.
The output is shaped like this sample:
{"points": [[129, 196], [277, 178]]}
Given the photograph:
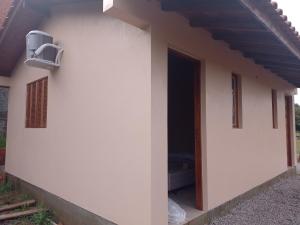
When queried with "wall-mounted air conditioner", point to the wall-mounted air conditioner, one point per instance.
{"points": [[41, 52]]}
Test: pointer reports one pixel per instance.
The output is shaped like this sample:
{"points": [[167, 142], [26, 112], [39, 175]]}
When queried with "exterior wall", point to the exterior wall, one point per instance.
{"points": [[239, 159], [234, 160], [95, 151], [106, 142]]}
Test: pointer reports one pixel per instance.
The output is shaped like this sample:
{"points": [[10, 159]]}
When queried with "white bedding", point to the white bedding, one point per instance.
{"points": [[181, 171]]}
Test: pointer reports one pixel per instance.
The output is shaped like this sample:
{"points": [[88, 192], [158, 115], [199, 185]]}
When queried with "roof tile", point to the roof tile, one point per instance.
{"points": [[5, 8]]}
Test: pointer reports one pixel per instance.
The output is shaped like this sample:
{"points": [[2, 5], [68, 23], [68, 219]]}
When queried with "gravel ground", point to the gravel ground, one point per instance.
{"points": [[278, 205]]}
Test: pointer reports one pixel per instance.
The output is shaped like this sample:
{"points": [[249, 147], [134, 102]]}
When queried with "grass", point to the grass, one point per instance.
{"points": [[6, 187], [2, 142], [41, 218]]}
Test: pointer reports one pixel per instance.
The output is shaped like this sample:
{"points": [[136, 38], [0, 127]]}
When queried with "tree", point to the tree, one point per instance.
{"points": [[297, 115]]}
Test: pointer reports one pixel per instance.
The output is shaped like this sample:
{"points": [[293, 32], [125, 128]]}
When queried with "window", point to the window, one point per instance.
{"points": [[36, 104], [274, 109], [237, 101]]}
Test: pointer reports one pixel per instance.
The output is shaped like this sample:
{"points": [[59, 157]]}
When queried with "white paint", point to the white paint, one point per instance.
{"points": [[119, 10]]}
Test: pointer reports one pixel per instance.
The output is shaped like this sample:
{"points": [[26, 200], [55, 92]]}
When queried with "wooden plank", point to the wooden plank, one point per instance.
{"points": [[203, 19], [16, 205], [245, 37], [251, 50], [284, 72], [285, 75], [258, 43], [233, 28], [282, 68], [252, 47], [7, 195], [20, 214], [53, 223], [204, 5], [278, 61], [274, 58], [226, 24]]}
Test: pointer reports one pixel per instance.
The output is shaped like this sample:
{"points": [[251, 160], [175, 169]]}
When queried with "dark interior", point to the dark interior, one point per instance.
{"points": [[181, 138]]}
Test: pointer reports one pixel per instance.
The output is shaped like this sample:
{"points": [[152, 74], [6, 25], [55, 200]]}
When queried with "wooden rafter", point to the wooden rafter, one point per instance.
{"points": [[255, 28]]}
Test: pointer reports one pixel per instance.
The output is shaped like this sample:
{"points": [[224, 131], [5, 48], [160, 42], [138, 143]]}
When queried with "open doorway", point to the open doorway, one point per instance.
{"points": [[184, 142], [288, 119]]}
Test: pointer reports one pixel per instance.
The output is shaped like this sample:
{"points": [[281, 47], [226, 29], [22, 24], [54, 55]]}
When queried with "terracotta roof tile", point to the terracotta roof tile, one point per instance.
{"points": [[5, 8], [284, 19]]}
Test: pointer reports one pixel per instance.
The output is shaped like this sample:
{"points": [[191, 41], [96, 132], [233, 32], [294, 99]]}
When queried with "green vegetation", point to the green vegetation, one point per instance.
{"points": [[43, 217], [297, 117], [2, 142], [6, 187], [25, 197]]}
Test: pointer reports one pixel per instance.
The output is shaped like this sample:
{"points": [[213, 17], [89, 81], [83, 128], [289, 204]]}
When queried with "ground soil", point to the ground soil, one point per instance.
{"points": [[278, 205]]}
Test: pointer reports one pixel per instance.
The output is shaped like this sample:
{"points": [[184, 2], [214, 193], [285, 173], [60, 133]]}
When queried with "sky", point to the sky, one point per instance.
{"points": [[291, 10]]}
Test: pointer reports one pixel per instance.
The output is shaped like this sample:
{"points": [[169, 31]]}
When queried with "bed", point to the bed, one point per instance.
{"points": [[181, 171]]}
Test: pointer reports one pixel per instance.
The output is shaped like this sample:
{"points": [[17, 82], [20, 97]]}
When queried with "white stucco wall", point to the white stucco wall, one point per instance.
{"points": [[105, 147]]}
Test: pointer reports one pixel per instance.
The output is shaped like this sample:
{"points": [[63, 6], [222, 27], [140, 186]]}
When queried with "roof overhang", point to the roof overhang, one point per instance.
{"points": [[22, 17], [20, 20], [256, 28]]}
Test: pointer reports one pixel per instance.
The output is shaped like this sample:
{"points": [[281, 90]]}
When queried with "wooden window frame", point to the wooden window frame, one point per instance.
{"points": [[37, 103], [274, 109], [236, 101]]}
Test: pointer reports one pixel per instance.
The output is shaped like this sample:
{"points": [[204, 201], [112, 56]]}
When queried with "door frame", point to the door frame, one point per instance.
{"points": [[289, 125], [197, 126]]}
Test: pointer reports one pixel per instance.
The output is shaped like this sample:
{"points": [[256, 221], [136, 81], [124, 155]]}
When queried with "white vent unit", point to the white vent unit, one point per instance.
{"points": [[41, 52]]}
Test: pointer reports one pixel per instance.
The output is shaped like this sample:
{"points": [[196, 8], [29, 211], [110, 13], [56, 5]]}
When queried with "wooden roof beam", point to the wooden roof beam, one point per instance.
{"points": [[270, 57], [281, 68], [284, 73], [233, 28], [226, 23], [248, 49], [263, 36], [257, 43], [282, 64], [203, 5]]}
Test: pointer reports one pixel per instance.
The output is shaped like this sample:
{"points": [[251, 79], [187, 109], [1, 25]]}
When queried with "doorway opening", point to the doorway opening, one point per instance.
{"points": [[288, 118], [184, 142]]}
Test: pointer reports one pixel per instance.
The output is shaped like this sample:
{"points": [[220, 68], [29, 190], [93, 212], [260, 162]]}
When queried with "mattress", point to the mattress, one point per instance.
{"points": [[181, 172]]}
